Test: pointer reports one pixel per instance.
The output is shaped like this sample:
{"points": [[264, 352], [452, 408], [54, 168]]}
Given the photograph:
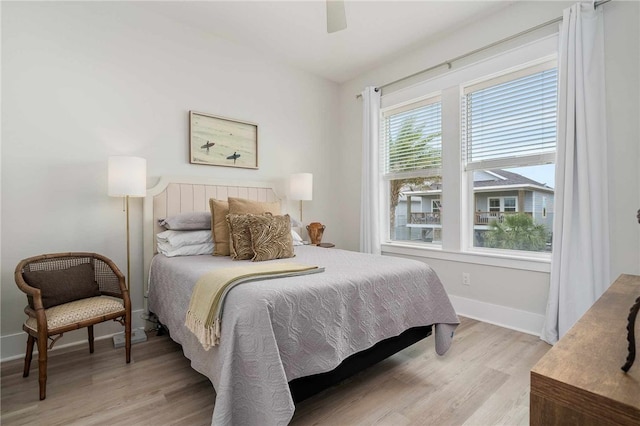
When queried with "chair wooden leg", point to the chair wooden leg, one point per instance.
{"points": [[42, 366], [90, 331], [28, 355], [127, 336]]}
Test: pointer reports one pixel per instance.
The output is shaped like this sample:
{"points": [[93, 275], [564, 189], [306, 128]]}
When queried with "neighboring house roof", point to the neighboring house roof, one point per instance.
{"points": [[491, 181], [505, 179]]}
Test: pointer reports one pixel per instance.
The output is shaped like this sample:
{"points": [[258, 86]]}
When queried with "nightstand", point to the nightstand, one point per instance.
{"points": [[326, 245]]}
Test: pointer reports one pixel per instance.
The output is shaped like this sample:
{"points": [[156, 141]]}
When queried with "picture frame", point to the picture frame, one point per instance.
{"points": [[220, 141]]}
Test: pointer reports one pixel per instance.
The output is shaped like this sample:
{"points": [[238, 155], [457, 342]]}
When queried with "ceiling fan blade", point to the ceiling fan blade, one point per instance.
{"points": [[336, 18]]}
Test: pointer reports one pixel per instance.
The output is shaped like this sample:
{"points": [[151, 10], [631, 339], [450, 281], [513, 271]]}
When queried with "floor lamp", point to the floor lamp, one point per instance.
{"points": [[127, 177], [301, 188]]}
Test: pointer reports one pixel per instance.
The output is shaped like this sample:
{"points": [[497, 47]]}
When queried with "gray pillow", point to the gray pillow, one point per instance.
{"points": [[190, 221], [63, 286]]}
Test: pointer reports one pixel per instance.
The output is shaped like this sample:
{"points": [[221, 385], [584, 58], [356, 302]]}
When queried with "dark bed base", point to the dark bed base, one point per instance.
{"points": [[306, 387]]}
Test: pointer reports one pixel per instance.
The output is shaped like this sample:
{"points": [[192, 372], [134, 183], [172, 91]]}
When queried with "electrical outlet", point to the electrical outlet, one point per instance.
{"points": [[466, 278]]}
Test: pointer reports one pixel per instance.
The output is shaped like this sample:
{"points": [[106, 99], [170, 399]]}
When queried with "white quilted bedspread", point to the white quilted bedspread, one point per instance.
{"points": [[278, 330]]}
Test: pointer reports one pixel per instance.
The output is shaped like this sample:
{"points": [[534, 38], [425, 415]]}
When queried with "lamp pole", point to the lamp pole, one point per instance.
{"points": [[128, 244]]}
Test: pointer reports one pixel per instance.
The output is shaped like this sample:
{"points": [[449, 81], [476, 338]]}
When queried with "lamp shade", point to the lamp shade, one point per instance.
{"points": [[127, 176], [301, 186]]}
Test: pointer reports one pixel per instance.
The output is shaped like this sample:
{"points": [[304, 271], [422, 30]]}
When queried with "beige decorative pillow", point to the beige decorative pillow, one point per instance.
{"points": [[243, 206], [219, 211], [219, 227], [271, 237], [240, 236]]}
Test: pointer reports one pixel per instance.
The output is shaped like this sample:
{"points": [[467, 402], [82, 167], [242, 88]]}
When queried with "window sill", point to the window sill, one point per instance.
{"points": [[539, 263]]}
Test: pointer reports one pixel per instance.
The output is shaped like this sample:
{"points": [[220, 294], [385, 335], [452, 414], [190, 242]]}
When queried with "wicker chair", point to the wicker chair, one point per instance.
{"points": [[110, 302]]}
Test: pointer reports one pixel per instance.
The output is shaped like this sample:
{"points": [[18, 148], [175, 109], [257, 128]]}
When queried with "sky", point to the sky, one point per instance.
{"points": [[544, 173]]}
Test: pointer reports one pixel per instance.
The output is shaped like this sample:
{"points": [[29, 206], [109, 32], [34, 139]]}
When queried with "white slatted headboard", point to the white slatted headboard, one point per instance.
{"points": [[190, 194]]}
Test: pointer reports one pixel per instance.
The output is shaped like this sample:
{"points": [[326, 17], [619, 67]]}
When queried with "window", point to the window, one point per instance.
{"points": [[510, 121], [480, 139], [411, 163], [509, 204], [503, 204]]}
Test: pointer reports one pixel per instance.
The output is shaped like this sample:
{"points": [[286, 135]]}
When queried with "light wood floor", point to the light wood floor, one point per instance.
{"points": [[482, 380]]}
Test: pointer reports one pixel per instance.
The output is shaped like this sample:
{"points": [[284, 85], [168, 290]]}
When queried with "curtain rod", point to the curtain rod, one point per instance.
{"points": [[473, 52]]}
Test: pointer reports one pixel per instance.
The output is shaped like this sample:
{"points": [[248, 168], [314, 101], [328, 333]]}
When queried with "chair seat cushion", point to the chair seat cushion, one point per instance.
{"points": [[92, 308]]}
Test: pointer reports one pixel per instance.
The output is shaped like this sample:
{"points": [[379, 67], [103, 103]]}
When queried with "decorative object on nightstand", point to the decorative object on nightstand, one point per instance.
{"points": [[631, 338], [127, 177], [69, 291], [315, 230], [326, 245], [301, 188], [631, 326]]}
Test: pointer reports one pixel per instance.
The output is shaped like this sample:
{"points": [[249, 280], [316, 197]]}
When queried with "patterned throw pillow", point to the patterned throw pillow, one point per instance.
{"points": [[271, 237], [240, 236], [219, 211]]}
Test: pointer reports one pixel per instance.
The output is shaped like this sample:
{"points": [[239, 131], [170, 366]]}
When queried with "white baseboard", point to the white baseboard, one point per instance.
{"points": [[14, 345], [503, 316]]}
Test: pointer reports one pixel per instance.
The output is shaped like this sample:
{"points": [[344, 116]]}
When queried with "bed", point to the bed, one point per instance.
{"points": [[284, 339]]}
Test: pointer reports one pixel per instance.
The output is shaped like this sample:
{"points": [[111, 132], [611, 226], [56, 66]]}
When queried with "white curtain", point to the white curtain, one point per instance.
{"points": [[370, 195], [580, 262]]}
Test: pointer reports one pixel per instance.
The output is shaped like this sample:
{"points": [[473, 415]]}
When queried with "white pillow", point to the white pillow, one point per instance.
{"points": [[177, 239], [297, 240], [190, 250]]}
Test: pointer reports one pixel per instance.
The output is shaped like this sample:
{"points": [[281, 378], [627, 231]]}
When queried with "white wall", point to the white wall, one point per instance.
{"points": [[83, 81], [494, 287]]}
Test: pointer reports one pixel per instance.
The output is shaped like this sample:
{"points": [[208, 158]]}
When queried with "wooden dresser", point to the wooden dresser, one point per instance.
{"points": [[579, 381]]}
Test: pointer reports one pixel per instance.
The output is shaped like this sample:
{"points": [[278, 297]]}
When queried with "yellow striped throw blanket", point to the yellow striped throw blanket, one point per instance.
{"points": [[207, 300]]}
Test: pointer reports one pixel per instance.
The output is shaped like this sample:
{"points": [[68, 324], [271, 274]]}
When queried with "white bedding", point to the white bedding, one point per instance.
{"points": [[278, 330]]}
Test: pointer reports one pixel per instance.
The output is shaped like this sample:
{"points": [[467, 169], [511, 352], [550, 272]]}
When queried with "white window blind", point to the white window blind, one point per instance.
{"points": [[511, 120], [412, 140]]}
